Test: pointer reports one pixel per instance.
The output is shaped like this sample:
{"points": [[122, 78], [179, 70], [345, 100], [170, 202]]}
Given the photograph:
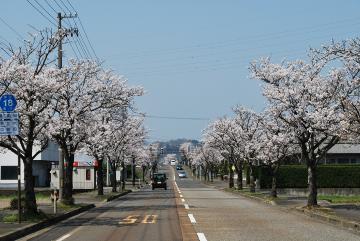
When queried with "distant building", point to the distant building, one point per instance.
{"points": [[343, 154]]}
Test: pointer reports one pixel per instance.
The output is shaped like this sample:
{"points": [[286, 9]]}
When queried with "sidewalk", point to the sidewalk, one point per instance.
{"points": [[335, 213], [46, 206]]}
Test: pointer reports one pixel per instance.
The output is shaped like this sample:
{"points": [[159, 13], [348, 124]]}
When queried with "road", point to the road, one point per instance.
{"points": [[192, 209], [141, 215], [221, 216]]}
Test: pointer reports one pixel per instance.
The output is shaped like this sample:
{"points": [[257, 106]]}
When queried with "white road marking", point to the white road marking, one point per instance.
{"points": [[186, 206], [201, 236], [181, 195], [192, 219], [64, 237], [183, 200]]}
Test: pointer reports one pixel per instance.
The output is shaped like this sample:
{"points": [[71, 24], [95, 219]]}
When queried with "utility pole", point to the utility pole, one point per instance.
{"points": [[63, 33]]}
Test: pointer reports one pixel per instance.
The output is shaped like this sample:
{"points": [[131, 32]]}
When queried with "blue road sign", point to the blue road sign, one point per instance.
{"points": [[8, 103]]}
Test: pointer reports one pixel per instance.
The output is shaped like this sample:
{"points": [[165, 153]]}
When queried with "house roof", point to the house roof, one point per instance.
{"points": [[345, 149]]}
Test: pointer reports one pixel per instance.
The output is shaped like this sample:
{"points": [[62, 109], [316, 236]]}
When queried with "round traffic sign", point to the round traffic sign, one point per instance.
{"points": [[8, 103]]}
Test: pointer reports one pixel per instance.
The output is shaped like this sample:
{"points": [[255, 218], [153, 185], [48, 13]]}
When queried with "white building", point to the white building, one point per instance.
{"points": [[84, 173], [41, 167]]}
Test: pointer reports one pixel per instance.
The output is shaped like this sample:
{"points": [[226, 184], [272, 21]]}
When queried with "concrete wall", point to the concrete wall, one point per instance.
{"points": [[321, 191]]}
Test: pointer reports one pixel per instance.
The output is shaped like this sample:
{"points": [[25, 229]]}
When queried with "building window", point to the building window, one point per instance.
{"points": [[8, 172], [88, 174]]}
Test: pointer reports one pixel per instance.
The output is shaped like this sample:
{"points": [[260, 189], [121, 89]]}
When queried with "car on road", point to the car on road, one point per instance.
{"points": [[173, 162], [159, 181], [182, 174], [179, 167]]}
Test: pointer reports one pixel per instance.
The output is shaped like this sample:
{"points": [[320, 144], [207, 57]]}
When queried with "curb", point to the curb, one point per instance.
{"points": [[31, 228], [118, 195], [355, 226]]}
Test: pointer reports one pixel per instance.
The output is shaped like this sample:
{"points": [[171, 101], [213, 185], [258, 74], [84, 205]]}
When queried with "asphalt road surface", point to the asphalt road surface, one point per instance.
{"points": [[204, 213], [221, 216], [142, 215]]}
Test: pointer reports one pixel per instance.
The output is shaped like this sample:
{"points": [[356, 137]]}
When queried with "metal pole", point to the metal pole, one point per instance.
{"points": [[19, 186]]}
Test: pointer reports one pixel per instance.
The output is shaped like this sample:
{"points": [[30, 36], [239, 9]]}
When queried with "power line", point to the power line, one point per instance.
{"points": [[240, 41], [173, 117], [42, 7], [83, 29], [42, 13], [11, 28]]}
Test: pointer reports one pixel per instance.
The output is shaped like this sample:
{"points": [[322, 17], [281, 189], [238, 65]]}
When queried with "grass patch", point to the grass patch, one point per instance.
{"points": [[66, 207], [340, 199], [33, 218], [39, 196]]}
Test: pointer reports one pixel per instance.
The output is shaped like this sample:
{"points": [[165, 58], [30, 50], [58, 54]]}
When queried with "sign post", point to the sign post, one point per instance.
{"points": [[9, 126]]}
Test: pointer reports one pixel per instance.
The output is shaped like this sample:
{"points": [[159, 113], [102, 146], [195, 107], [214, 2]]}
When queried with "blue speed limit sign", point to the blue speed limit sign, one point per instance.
{"points": [[8, 103]]}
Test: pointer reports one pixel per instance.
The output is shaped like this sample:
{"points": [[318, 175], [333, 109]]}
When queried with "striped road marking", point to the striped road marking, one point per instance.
{"points": [[186, 206], [201, 236], [191, 217]]}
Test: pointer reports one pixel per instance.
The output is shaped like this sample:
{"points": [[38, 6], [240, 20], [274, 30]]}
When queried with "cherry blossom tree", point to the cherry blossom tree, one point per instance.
{"points": [[185, 150], [127, 138], [275, 145], [306, 102], [29, 76], [86, 88], [220, 135]]}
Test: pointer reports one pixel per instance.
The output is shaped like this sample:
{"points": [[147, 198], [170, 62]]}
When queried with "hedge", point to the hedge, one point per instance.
{"points": [[295, 176]]}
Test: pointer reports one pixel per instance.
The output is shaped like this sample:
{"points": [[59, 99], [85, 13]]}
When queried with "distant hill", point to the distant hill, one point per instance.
{"points": [[172, 146]]}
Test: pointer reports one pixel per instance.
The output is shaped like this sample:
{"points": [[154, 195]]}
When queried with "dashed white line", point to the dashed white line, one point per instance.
{"points": [[64, 237], [186, 206], [183, 200], [191, 217], [201, 236], [181, 195]]}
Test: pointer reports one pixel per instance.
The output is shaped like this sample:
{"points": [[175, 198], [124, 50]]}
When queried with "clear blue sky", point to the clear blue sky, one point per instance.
{"points": [[192, 56]]}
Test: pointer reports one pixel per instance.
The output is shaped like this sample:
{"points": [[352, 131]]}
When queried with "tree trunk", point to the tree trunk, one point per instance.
{"points": [[274, 179], [252, 179], [273, 187], [123, 176], [240, 177], [100, 178], [231, 176], [30, 200], [312, 186], [143, 173], [68, 180], [113, 177], [133, 172]]}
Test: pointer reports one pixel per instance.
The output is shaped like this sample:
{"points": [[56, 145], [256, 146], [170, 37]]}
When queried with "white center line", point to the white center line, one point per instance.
{"points": [[201, 236], [181, 195], [64, 237], [183, 200], [186, 206], [192, 219]]}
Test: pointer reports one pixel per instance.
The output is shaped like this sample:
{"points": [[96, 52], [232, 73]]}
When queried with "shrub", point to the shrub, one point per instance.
{"points": [[328, 176], [14, 203]]}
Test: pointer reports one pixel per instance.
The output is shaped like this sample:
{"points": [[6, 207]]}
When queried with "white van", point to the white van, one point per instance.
{"points": [[173, 162]]}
